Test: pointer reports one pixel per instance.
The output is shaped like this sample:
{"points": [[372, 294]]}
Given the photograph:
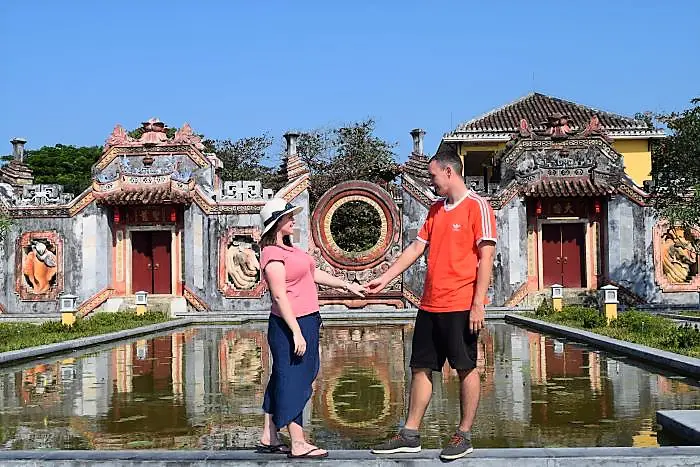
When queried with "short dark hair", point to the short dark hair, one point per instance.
{"points": [[447, 158]]}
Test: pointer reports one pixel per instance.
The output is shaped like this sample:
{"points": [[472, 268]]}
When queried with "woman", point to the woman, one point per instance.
{"points": [[293, 329]]}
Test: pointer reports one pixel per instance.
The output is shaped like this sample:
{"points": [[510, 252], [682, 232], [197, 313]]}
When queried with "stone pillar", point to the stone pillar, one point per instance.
{"points": [[18, 148], [295, 166], [417, 135]]}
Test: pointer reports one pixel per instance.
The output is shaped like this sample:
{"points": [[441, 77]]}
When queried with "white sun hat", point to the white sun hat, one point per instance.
{"points": [[273, 210]]}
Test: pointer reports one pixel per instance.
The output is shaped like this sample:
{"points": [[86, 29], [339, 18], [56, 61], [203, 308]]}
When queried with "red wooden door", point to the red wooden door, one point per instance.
{"points": [[551, 252], [162, 277], [572, 255], [141, 274], [151, 267], [563, 255]]}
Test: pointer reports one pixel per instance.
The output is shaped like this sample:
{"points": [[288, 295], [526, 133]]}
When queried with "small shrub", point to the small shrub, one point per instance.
{"points": [[545, 309], [683, 337], [589, 318], [643, 323]]}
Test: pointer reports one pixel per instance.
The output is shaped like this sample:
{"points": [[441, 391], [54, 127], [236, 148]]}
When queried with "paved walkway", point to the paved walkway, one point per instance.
{"points": [[534, 457]]}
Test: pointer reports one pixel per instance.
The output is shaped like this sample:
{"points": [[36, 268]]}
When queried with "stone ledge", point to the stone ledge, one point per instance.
{"points": [[687, 366], [76, 344], [683, 424], [525, 457]]}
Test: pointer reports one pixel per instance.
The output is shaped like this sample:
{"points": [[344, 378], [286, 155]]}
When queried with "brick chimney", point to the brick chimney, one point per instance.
{"points": [[17, 173], [18, 148], [295, 166]]}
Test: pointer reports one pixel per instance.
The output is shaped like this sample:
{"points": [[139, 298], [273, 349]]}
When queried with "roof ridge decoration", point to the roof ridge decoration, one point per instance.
{"points": [[154, 133], [497, 123], [561, 161]]}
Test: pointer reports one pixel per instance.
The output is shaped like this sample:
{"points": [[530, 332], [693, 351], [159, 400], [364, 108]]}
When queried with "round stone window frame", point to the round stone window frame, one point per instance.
{"points": [[345, 192]]}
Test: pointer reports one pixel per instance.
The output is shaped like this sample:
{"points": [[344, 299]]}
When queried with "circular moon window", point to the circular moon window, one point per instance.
{"points": [[356, 226]]}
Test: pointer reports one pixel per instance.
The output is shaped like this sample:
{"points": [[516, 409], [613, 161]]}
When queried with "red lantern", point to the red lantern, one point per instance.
{"points": [[596, 206], [173, 215], [538, 207], [117, 216]]}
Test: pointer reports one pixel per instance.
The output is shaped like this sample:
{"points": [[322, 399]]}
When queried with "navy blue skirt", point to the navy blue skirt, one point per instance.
{"points": [[289, 388]]}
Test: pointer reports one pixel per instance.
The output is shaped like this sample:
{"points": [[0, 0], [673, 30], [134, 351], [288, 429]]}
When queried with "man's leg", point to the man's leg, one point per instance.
{"points": [[469, 390], [462, 354], [421, 392]]}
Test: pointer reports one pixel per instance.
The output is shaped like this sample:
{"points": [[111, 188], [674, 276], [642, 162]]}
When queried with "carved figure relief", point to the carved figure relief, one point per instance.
{"points": [[679, 258], [39, 267], [242, 266], [676, 259], [239, 264], [38, 271]]}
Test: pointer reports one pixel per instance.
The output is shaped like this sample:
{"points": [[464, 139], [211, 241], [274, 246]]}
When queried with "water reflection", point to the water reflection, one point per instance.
{"points": [[203, 388]]}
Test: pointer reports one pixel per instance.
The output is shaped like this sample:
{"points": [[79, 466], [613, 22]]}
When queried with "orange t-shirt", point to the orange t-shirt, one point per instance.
{"points": [[453, 233]]}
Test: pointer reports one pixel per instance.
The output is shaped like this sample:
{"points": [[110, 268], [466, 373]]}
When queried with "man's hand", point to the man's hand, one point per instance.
{"points": [[377, 285], [476, 317], [356, 289]]}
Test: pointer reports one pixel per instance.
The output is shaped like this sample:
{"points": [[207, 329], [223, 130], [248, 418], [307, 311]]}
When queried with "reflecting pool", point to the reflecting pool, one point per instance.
{"points": [[202, 388]]}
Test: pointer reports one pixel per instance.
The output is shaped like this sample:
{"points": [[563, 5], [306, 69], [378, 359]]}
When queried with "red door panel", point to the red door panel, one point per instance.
{"points": [[141, 274], [162, 277], [572, 249], [551, 255]]}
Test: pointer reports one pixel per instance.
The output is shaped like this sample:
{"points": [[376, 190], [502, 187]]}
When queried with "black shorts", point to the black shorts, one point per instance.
{"points": [[440, 336]]}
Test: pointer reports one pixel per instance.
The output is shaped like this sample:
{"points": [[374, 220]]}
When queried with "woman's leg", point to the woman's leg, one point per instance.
{"points": [[299, 444], [311, 330]]}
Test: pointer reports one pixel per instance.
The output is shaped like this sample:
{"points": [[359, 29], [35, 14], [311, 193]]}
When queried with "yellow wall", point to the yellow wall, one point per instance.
{"points": [[464, 148], [637, 158], [635, 152]]}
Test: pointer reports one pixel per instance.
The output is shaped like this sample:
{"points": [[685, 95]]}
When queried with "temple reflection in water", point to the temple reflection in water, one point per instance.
{"points": [[203, 388]]}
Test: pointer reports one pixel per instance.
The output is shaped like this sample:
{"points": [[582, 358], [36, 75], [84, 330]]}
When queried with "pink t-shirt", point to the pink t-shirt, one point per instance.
{"points": [[299, 267]]}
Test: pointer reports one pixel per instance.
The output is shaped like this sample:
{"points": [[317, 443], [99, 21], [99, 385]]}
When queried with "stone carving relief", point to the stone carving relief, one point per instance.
{"points": [[244, 190], [42, 195], [239, 266], [676, 259], [364, 265], [35, 195], [679, 258], [39, 274], [242, 266]]}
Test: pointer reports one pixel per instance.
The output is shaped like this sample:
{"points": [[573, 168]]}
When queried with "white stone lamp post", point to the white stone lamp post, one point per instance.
{"points": [[557, 297], [141, 302], [68, 309], [609, 302]]}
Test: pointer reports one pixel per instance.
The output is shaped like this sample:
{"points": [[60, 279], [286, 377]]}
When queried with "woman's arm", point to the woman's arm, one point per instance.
{"points": [[275, 275], [321, 277]]}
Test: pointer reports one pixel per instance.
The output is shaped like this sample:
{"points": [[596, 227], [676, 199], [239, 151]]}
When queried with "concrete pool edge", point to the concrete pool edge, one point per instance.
{"points": [[83, 342], [677, 455], [356, 318], [687, 366]]}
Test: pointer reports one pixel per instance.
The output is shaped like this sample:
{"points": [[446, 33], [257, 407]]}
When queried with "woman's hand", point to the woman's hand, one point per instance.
{"points": [[299, 343], [355, 289]]}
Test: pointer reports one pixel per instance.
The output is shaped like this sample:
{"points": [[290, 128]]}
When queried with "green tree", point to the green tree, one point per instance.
{"points": [[676, 168], [247, 159], [138, 132], [351, 152], [65, 165]]}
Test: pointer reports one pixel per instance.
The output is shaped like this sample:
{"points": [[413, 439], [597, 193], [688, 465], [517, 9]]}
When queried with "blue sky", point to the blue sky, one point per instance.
{"points": [[71, 70]]}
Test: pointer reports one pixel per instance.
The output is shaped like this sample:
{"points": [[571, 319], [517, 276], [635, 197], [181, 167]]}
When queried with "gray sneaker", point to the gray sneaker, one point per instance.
{"points": [[402, 442], [459, 446]]}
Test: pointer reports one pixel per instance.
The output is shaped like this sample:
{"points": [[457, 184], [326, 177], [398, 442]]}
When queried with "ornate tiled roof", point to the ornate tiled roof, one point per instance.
{"points": [[536, 108], [568, 187]]}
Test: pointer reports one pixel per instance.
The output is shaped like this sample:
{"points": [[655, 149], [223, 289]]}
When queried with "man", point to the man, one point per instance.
{"points": [[460, 231]]}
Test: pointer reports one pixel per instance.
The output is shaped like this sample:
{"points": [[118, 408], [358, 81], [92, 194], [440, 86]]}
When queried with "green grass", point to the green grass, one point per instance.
{"points": [[632, 326], [15, 336]]}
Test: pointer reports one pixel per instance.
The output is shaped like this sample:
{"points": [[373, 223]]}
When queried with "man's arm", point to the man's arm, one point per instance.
{"points": [[407, 258], [487, 251]]}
